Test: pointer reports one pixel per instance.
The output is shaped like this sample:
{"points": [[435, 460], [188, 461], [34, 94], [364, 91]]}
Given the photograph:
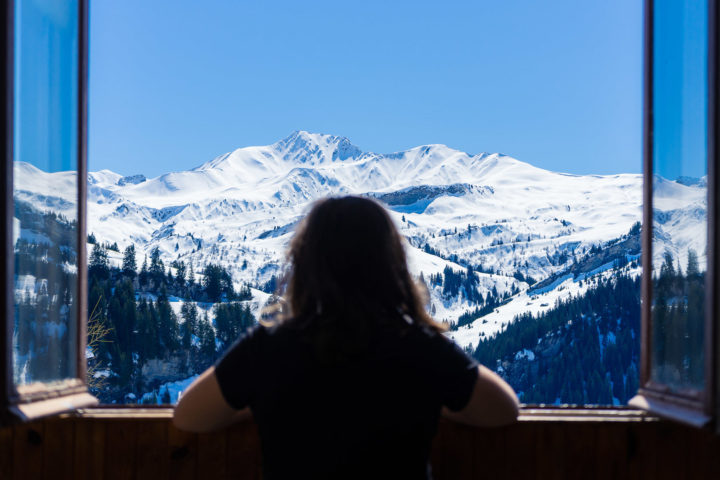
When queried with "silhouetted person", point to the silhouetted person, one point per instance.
{"points": [[352, 375]]}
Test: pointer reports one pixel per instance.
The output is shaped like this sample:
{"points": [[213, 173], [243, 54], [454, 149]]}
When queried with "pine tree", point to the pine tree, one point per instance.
{"points": [[157, 267], [216, 282], [188, 311], [167, 323], [191, 276], [692, 266], [144, 274], [207, 339], [180, 273], [98, 266], [148, 345], [122, 315], [129, 265], [211, 283]]}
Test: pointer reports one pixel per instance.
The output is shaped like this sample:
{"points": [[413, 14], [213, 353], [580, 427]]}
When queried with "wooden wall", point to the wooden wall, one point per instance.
{"points": [[149, 447]]}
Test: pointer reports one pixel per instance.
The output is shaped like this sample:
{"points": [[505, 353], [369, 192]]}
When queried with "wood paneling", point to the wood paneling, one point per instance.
{"points": [[27, 451], [119, 459], [150, 447], [212, 454], [489, 452], [243, 452], [6, 452], [520, 446], [183, 453], [58, 449], [89, 449], [580, 450], [151, 450]]}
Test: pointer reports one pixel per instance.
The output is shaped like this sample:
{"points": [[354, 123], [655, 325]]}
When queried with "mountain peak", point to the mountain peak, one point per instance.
{"points": [[303, 146]]}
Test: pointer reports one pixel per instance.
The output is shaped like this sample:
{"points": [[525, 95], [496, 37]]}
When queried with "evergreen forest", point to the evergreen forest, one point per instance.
{"points": [[152, 323], [140, 340], [585, 350]]}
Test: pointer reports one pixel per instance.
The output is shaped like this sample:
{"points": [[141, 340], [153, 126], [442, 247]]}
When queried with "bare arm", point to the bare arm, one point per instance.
{"points": [[202, 408], [493, 402]]}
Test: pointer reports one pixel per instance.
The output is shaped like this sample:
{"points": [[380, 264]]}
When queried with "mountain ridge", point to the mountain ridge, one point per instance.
{"points": [[506, 219]]}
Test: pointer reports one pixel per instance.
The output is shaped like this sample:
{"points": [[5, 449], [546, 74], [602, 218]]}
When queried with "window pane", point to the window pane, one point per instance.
{"points": [[679, 193], [534, 271], [45, 190]]}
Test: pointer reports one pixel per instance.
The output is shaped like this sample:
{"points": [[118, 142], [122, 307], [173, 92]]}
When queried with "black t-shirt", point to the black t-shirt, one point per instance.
{"points": [[371, 416]]}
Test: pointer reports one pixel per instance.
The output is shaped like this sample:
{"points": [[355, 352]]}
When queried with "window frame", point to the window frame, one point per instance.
{"points": [[692, 408], [28, 402], [72, 395]]}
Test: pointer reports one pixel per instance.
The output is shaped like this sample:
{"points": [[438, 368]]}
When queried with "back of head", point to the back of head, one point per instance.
{"points": [[348, 269]]}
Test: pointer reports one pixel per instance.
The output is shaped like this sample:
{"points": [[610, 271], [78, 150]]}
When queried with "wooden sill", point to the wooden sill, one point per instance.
{"points": [[672, 410], [527, 414], [25, 412]]}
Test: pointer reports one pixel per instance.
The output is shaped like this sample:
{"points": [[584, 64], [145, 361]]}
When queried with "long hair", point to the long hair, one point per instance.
{"points": [[348, 273]]}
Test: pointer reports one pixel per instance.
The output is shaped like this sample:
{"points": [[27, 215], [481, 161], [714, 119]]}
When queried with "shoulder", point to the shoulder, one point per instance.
{"points": [[440, 349], [251, 342], [256, 333], [421, 339], [267, 340], [427, 335]]}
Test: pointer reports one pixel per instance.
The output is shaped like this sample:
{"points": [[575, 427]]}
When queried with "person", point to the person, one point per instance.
{"points": [[350, 376]]}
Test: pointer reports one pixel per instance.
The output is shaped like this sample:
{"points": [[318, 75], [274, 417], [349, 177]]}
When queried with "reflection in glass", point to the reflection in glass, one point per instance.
{"points": [[679, 193], [45, 190]]}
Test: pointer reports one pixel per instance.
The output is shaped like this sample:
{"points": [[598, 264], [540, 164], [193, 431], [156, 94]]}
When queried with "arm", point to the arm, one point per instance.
{"points": [[202, 407], [492, 403]]}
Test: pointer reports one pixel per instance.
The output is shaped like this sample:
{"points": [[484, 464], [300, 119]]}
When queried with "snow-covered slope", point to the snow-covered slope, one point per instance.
{"points": [[500, 215]]}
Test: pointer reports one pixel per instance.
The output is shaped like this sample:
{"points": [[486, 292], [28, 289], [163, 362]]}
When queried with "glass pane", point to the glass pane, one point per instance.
{"points": [[679, 193], [535, 272], [45, 190]]}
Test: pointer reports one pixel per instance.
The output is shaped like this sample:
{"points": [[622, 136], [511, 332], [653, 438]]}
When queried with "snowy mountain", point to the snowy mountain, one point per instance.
{"points": [[513, 223]]}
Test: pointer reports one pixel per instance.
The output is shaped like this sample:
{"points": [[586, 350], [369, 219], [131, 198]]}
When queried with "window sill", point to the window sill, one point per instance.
{"points": [[527, 414], [52, 406], [666, 408]]}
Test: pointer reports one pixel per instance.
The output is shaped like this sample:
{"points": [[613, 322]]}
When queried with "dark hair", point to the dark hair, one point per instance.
{"points": [[348, 272]]}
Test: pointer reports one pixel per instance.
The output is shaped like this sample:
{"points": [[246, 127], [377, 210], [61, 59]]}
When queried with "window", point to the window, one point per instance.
{"points": [[514, 249], [679, 309], [178, 301], [43, 262]]}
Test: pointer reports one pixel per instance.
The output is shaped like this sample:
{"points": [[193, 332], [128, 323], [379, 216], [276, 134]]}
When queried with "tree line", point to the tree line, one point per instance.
{"points": [[45, 295], [678, 311], [585, 350], [142, 325]]}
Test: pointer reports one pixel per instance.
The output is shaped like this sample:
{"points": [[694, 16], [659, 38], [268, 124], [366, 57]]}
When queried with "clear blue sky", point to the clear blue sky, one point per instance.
{"points": [[46, 62], [555, 83], [680, 89]]}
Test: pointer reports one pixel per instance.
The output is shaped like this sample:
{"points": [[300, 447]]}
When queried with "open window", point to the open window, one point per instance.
{"points": [[679, 310], [44, 265], [42, 364]]}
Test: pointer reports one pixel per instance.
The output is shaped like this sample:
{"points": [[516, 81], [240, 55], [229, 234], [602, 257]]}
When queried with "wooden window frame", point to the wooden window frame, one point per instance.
{"points": [[37, 400], [692, 408], [27, 402]]}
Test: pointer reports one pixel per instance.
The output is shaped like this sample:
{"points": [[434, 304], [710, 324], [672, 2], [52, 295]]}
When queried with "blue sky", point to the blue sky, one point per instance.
{"points": [[680, 89], [556, 84], [45, 72]]}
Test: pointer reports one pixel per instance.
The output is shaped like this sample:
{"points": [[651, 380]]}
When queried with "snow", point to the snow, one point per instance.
{"points": [[521, 303], [102, 373], [525, 354], [488, 209], [175, 390]]}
